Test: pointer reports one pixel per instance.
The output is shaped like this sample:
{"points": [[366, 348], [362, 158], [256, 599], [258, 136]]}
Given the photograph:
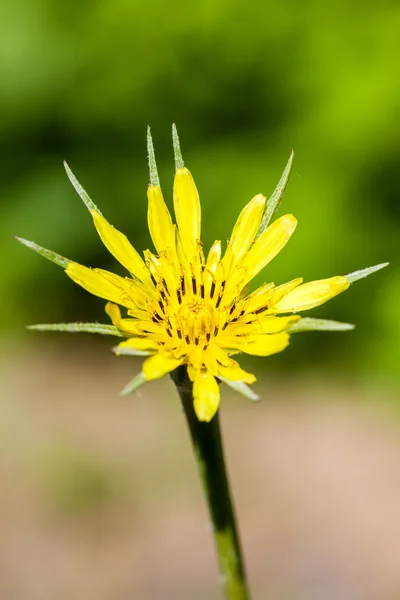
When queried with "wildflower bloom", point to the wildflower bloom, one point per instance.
{"points": [[182, 307]]}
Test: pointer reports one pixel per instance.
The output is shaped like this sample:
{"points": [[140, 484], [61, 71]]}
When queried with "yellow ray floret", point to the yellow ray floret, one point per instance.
{"points": [[206, 395], [187, 211], [161, 228], [184, 309], [311, 294]]}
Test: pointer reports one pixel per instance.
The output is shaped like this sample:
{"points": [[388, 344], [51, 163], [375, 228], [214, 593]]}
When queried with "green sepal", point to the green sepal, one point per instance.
{"points": [[179, 164], [49, 254], [241, 388], [90, 205], [356, 275], [133, 385], [78, 328], [274, 200], [308, 324], [153, 173]]}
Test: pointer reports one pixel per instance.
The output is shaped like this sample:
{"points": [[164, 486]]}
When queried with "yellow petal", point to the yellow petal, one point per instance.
{"points": [[94, 282], [183, 258], [259, 298], [138, 313], [135, 291], [137, 344], [246, 227], [283, 289], [213, 257], [220, 355], [262, 324], [312, 294], [237, 279], [158, 365], [120, 247], [113, 312], [159, 220], [147, 327], [270, 324], [235, 373], [268, 245], [192, 372], [128, 326], [187, 211], [195, 356], [206, 396], [212, 263], [258, 344]]}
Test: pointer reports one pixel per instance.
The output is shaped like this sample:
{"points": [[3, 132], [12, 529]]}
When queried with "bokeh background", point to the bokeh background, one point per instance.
{"points": [[99, 497]]}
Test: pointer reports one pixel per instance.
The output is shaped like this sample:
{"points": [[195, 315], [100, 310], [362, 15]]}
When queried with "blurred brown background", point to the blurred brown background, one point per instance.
{"points": [[99, 495]]}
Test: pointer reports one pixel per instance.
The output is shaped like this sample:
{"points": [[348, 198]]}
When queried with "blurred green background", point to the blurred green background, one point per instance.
{"points": [[81, 81], [244, 82]]}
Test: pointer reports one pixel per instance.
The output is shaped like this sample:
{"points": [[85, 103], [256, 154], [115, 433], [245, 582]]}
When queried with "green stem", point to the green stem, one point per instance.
{"points": [[207, 445]]}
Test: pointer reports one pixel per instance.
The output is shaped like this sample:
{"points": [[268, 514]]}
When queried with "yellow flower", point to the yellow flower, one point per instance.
{"points": [[184, 308]]}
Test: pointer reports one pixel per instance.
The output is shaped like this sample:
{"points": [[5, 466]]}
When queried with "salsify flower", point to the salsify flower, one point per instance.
{"points": [[182, 307]]}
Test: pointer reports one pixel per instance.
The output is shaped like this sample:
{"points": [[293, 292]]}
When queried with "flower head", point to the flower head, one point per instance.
{"points": [[182, 307]]}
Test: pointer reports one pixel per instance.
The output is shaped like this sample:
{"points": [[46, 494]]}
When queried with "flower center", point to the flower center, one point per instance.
{"points": [[196, 321]]}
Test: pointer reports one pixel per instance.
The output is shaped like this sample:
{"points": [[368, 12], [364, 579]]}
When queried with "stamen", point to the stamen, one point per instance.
{"points": [[221, 293], [183, 285], [202, 290], [165, 286], [216, 332], [153, 279], [212, 289], [195, 321], [194, 286], [169, 333], [225, 325], [179, 296]]}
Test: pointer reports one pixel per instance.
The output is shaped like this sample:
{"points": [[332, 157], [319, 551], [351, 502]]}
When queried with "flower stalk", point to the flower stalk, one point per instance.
{"points": [[208, 451]]}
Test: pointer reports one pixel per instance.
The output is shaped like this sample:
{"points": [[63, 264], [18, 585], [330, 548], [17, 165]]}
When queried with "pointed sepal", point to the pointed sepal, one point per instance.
{"points": [[241, 388], [90, 205], [153, 173], [275, 199], [133, 385], [308, 324], [356, 275], [49, 254], [179, 164], [78, 328], [126, 351]]}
